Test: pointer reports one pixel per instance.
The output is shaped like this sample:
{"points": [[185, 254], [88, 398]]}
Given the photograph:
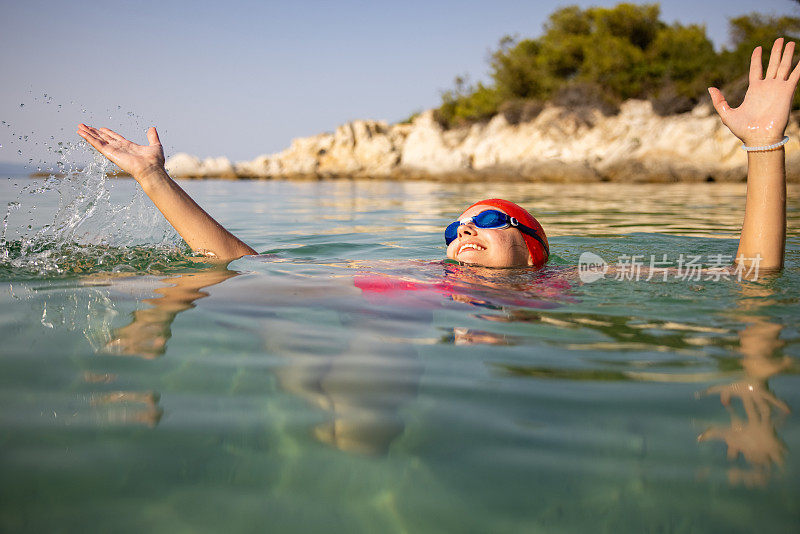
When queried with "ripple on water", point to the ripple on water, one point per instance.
{"points": [[350, 380]]}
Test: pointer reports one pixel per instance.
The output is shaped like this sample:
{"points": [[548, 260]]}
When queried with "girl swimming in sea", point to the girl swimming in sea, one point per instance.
{"points": [[498, 233]]}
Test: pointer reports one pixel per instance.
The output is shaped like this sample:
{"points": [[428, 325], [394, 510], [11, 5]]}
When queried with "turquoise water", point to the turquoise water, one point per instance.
{"points": [[349, 381]]}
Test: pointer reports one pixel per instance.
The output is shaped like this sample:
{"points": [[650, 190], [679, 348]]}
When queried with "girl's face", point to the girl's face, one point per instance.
{"points": [[503, 247]]}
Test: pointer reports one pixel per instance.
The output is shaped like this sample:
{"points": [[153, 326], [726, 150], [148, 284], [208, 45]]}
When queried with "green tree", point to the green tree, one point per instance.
{"points": [[636, 24], [680, 67], [602, 56], [517, 69], [615, 64], [467, 103]]}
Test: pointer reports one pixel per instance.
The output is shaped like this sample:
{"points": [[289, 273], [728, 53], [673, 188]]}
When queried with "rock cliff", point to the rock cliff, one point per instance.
{"points": [[560, 144]]}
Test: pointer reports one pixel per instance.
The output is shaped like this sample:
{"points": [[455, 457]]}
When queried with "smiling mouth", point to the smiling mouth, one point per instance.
{"points": [[470, 246]]}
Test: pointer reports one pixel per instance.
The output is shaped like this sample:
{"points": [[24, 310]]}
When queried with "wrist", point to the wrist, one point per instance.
{"points": [[766, 145], [150, 174], [761, 140]]}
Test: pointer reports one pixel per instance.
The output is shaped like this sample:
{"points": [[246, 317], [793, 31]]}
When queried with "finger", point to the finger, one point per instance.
{"points": [[94, 141], [152, 136], [786, 62], [779, 404], [98, 133], [795, 75], [112, 134], [102, 133], [755, 65], [708, 434], [84, 131], [85, 128], [93, 131], [719, 102], [774, 59]]}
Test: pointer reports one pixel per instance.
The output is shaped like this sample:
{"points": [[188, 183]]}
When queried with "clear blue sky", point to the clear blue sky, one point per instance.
{"points": [[239, 79]]}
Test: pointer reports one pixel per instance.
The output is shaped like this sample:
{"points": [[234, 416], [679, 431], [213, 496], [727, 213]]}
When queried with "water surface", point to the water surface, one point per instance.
{"points": [[349, 381]]}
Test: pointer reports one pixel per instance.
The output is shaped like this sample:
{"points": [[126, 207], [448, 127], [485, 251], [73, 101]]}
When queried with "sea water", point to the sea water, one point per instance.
{"points": [[347, 380]]}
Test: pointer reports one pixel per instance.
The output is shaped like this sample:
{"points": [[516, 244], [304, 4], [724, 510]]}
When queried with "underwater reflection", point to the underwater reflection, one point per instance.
{"points": [[123, 407], [754, 436], [752, 431], [467, 336], [147, 334], [357, 374], [146, 337], [612, 344], [128, 407], [355, 362]]}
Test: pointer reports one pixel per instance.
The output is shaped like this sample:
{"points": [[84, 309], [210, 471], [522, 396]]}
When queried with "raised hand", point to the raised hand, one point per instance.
{"points": [[762, 117], [137, 160], [146, 164]]}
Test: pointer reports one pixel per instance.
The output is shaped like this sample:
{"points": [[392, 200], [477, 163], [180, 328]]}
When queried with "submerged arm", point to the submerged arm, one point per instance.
{"points": [[146, 164], [759, 122]]}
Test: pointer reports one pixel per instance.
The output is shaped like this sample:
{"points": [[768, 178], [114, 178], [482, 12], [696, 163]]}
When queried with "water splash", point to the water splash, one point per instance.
{"points": [[72, 219], [84, 229]]}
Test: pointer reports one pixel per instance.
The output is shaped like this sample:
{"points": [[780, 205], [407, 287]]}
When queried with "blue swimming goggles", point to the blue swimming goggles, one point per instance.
{"points": [[491, 220]]}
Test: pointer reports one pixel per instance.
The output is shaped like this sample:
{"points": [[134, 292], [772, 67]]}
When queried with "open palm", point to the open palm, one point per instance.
{"points": [[763, 115], [135, 159]]}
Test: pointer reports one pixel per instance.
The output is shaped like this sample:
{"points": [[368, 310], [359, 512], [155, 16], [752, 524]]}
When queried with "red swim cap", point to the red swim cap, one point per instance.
{"points": [[538, 253]]}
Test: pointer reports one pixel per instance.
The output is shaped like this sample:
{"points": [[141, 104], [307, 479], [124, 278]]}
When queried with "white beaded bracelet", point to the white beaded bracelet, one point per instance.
{"points": [[766, 148]]}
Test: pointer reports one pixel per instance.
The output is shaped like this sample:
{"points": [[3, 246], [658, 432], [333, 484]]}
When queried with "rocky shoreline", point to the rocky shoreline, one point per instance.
{"points": [[559, 145]]}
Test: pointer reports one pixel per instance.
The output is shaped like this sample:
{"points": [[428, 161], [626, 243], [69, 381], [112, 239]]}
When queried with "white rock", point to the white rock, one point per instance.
{"points": [[217, 168], [182, 165], [425, 149], [302, 157], [689, 146], [360, 149]]}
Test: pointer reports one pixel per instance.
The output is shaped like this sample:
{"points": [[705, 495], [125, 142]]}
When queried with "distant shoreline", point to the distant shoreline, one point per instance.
{"points": [[738, 177], [561, 145]]}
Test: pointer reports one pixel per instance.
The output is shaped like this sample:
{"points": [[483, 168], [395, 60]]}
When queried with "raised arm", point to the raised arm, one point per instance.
{"points": [[760, 121], [146, 164]]}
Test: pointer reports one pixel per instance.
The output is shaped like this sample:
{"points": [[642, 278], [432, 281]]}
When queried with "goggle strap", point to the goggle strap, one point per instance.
{"points": [[527, 230]]}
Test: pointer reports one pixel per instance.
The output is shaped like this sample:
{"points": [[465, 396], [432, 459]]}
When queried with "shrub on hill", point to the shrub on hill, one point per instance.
{"points": [[598, 57]]}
